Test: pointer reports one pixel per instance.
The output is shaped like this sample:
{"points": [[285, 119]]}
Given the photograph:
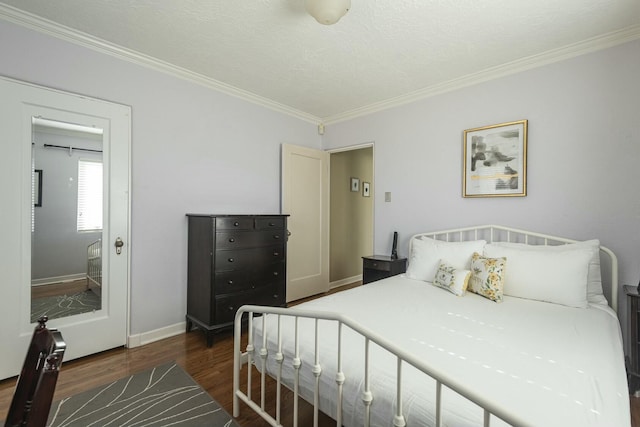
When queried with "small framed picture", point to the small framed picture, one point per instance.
{"points": [[495, 160], [365, 189], [37, 187], [355, 185]]}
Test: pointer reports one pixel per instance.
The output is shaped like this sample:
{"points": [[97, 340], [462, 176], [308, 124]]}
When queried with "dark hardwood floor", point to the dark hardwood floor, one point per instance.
{"points": [[210, 367], [62, 288]]}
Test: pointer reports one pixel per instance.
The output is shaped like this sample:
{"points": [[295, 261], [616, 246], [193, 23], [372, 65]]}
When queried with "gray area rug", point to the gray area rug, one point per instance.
{"points": [[64, 305], [163, 396]]}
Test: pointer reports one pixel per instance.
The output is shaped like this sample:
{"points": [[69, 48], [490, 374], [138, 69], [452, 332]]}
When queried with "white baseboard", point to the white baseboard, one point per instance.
{"points": [[138, 340], [58, 279], [347, 281]]}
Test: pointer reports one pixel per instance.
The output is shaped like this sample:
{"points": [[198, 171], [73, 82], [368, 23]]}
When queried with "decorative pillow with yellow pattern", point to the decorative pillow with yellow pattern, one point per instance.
{"points": [[487, 276], [452, 279]]}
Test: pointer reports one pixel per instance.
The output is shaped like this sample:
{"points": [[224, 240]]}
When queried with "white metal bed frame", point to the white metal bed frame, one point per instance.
{"points": [[490, 233], [94, 266]]}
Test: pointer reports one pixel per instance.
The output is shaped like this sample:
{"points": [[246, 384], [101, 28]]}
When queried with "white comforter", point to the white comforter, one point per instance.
{"points": [[552, 365]]}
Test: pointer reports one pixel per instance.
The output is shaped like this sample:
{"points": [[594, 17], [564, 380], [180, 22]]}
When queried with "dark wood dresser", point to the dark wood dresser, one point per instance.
{"points": [[233, 260]]}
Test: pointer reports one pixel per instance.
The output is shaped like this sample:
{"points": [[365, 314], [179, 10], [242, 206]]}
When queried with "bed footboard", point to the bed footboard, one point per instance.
{"points": [[94, 266], [256, 353]]}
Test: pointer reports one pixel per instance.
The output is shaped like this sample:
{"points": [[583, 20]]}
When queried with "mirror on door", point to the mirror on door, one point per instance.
{"points": [[66, 219]]}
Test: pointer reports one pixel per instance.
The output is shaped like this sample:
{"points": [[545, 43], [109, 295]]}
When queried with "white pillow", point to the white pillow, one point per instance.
{"points": [[451, 278], [594, 276], [559, 277], [426, 254]]}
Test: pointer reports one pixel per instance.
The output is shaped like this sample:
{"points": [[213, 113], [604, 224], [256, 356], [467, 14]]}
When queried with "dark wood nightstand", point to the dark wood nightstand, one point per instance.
{"points": [[376, 267], [633, 368]]}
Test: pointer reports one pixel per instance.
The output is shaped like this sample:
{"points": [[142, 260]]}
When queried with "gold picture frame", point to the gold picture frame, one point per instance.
{"points": [[495, 160]]}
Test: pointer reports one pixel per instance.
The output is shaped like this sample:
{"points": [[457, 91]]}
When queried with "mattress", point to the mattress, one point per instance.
{"points": [[550, 364]]}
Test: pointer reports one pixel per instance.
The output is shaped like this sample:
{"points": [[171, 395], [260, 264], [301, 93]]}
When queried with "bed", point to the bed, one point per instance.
{"points": [[403, 351], [94, 267]]}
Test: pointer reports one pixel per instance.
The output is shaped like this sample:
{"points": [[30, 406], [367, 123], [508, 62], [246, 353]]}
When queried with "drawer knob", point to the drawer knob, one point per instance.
{"points": [[276, 236], [271, 224], [375, 264], [230, 308], [230, 260], [276, 253], [231, 239], [236, 223], [230, 282], [275, 273]]}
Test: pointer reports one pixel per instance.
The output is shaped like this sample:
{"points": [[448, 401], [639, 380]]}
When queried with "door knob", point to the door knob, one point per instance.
{"points": [[119, 244]]}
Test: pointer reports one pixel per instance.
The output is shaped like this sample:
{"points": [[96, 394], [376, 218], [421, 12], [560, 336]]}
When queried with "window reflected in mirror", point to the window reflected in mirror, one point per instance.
{"points": [[66, 238]]}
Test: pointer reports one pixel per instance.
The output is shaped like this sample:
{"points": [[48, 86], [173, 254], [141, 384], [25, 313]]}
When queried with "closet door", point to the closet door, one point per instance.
{"points": [[27, 193]]}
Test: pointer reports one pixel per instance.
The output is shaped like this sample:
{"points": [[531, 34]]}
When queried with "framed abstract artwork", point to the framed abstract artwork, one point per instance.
{"points": [[495, 160]]}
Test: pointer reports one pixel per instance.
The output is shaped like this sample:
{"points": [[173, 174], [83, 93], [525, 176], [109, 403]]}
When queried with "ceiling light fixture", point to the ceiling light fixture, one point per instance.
{"points": [[327, 12]]}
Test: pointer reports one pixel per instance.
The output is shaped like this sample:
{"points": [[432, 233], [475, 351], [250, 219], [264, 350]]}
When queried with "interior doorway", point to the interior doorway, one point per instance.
{"points": [[310, 179], [351, 221]]}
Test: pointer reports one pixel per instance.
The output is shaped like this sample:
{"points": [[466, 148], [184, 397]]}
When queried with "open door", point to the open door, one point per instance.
{"points": [[305, 197]]}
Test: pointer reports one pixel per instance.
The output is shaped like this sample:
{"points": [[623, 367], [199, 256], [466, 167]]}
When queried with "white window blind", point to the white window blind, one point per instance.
{"points": [[89, 195]]}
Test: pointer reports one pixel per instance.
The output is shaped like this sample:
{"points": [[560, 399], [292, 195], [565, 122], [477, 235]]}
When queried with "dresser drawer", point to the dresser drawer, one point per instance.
{"points": [[270, 222], [376, 265], [234, 223], [227, 282], [248, 239], [226, 306], [250, 259]]}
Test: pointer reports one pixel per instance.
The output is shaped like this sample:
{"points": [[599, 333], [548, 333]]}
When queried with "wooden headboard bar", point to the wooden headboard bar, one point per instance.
{"points": [[498, 233]]}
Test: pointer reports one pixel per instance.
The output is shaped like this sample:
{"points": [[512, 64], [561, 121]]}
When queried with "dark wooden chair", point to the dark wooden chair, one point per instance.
{"points": [[34, 391]]}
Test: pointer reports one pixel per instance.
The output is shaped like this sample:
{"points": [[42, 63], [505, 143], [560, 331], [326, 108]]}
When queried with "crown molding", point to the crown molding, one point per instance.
{"points": [[587, 46], [45, 26], [59, 31]]}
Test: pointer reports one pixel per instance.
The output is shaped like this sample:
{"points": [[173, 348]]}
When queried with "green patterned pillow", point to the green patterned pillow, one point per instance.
{"points": [[487, 276], [451, 279]]}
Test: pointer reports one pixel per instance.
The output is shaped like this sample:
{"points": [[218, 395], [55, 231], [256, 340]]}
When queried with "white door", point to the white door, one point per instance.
{"points": [[89, 332], [305, 197]]}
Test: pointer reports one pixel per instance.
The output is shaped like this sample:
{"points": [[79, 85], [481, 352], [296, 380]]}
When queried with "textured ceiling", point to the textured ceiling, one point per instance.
{"points": [[381, 51]]}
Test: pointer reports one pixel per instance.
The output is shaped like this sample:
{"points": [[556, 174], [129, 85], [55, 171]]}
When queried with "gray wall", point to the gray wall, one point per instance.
{"points": [[58, 249], [583, 154], [193, 150]]}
